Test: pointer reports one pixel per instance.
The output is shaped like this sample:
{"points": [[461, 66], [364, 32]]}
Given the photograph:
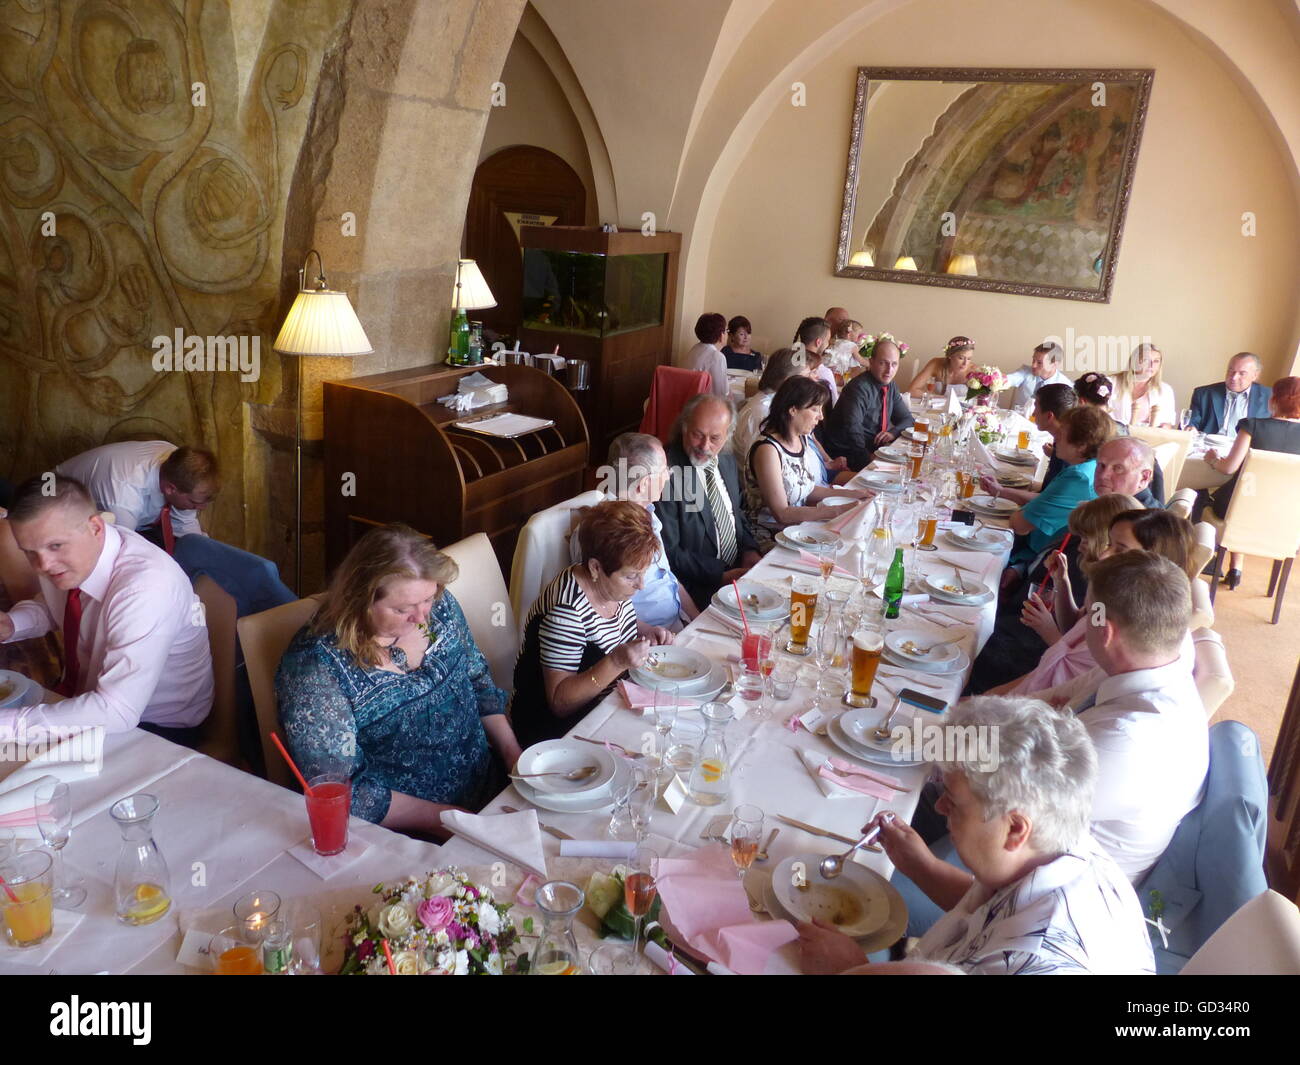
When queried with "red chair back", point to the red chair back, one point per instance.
{"points": [[669, 391]]}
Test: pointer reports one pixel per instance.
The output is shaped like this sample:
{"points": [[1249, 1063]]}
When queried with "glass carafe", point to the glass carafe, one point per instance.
{"points": [[711, 776], [556, 953], [141, 885]]}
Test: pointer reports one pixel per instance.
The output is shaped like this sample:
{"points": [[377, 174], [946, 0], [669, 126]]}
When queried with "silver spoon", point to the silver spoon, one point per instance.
{"points": [[833, 864], [761, 856], [882, 732], [581, 773]]}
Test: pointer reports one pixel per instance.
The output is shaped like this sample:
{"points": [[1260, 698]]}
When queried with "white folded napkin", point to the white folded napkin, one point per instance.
{"points": [[514, 837], [71, 755], [325, 866], [18, 807], [597, 848], [65, 923]]}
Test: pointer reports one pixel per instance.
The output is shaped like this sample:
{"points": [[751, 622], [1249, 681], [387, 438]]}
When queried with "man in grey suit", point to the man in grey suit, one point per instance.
{"points": [[1217, 408], [705, 534]]}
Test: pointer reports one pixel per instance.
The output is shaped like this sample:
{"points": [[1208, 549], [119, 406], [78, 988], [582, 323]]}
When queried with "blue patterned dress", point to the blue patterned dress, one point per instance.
{"points": [[417, 732]]}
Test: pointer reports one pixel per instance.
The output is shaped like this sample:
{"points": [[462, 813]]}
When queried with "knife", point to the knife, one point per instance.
{"points": [[545, 828], [814, 831]]}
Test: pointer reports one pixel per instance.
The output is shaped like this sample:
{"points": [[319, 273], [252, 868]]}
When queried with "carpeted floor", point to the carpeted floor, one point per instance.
{"points": [[1263, 657]]}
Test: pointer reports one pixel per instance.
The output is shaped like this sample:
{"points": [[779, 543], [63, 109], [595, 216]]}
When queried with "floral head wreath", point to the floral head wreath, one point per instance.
{"points": [[868, 346], [1103, 390], [958, 344]]}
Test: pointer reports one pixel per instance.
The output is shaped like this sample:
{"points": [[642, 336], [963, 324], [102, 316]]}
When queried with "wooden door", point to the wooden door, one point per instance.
{"points": [[522, 179]]}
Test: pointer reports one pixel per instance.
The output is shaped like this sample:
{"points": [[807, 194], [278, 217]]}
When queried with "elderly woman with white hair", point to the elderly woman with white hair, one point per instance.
{"points": [[1041, 896]]}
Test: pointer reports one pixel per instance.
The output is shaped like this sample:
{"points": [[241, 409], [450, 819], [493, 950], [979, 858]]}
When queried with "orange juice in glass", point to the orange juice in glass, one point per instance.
{"points": [[27, 900], [230, 955]]}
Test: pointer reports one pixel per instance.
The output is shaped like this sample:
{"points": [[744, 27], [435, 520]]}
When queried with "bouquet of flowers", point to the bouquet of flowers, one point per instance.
{"points": [[443, 924], [987, 425], [869, 344], [984, 381]]}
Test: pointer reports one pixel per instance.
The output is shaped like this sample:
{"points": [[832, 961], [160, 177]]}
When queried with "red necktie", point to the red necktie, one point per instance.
{"points": [[71, 634], [165, 523]]}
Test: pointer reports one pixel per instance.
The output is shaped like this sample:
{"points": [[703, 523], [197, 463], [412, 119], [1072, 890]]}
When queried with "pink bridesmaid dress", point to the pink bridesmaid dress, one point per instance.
{"points": [[1062, 661]]}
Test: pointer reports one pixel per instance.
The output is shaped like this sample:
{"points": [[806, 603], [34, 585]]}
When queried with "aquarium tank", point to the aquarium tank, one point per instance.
{"points": [[592, 295]]}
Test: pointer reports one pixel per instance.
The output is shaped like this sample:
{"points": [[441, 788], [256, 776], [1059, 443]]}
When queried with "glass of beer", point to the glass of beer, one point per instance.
{"points": [[927, 519], [868, 642], [803, 605], [917, 455], [1022, 441]]}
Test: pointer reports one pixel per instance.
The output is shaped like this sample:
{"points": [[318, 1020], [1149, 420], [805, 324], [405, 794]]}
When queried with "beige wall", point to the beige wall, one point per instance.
{"points": [[1186, 275], [538, 113]]}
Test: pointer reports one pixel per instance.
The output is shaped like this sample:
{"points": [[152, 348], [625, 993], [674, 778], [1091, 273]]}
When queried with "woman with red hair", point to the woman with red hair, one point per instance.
{"points": [[1281, 432]]}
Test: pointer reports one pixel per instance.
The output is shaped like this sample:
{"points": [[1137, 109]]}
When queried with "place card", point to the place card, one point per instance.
{"points": [[812, 719], [674, 795], [739, 706], [194, 949]]}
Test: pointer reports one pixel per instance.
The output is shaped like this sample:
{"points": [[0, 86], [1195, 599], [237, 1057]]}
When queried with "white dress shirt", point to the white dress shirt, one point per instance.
{"points": [[123, 478], [1161, 406], [1024, 385], [1074, 914], [143, 646], [711, 360]]}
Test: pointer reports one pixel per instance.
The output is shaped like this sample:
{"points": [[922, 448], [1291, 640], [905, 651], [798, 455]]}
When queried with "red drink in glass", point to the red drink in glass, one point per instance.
{"points": [[328, 807], [756, 649]]}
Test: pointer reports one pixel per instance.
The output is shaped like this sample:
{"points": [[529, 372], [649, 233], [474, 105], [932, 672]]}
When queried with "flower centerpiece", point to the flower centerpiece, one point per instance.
{"points": [[983, 383], [869, 343], [443, 924], [987, 425]]}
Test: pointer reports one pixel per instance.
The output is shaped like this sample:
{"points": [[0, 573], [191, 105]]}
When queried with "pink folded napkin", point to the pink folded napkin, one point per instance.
{"points": [[858, 771], [806, 556], [638, 697], [708, 908], [837, 524]]}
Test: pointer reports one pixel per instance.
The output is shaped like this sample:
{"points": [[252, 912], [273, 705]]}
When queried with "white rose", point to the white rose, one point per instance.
{"points": [[396, 921], [445, 962], [489, 920], [442, 885], [494, 966], [406, 963], [462, 963]]}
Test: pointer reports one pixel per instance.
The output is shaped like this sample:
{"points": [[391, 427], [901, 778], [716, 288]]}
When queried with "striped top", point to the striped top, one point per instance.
{"points": [[563, 631]]}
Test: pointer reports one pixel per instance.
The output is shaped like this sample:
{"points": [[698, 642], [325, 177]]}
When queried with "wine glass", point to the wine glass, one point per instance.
{"points": [[53, 807], [1185, 419], [746, 831], [639, 890], [665, 716]]}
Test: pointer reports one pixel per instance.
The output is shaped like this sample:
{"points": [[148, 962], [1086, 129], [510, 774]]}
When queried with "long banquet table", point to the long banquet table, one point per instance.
{"points": [[224, 832]]}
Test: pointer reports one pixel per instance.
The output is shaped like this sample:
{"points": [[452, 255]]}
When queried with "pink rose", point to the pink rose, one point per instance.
{"points": [[435, 914]]}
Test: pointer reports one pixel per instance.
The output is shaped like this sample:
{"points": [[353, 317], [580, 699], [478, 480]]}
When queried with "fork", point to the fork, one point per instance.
{"points": [[960, 583]]}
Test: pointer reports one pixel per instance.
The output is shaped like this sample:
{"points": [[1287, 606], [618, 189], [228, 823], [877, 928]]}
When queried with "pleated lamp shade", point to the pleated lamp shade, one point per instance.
{"points": [[322, 322], [861, 258], [905, 262], [963, 264], [474, 294]]}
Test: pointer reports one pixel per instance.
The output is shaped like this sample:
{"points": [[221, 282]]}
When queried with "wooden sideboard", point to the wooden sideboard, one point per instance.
{"points": [[408, 463]]}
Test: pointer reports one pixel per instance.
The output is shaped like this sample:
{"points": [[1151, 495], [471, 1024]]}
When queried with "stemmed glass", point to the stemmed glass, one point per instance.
{"points": [[53, 807], [746, 831], [1185, 419], [639, 890], [665, 716]]}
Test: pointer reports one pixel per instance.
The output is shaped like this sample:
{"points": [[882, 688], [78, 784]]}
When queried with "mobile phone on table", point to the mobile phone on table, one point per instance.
{"points": [[912, 697], [964, 517]]}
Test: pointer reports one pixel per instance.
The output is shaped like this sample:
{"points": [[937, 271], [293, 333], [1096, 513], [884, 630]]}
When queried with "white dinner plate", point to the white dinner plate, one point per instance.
{"points": [[938, 587], [955, 665], [670, 664], [970, 539], [837, 501], [836, 734], [583, 802], [888, 934], [1014, 480], [561, 756], [879, 481], [899, 641], [855, 902], [993, 504], [697, 691], [14, 688], [1016, 457], [1217, 442], [761, 602], [888, 453], [806, 537]]}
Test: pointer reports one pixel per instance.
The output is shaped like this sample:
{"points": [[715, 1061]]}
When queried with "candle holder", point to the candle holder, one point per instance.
{"points": [[255, 912]]}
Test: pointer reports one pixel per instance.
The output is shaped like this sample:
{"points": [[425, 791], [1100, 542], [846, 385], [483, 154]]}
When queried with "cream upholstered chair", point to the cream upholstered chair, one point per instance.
{"points": [[1260, 939], [264, 638], [1202, 608], [1204, 551], [1263, 518], [481, 591], [1181, 502], [1171, 459], [1212, 674], [542, 551]]}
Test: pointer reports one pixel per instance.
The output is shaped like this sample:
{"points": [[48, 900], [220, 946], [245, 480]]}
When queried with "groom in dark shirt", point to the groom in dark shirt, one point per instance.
{"points": [[871, 412]]}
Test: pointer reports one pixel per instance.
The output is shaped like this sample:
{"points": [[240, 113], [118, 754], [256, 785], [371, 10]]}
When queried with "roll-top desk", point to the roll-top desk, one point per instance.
{"points": [[409, 463]]}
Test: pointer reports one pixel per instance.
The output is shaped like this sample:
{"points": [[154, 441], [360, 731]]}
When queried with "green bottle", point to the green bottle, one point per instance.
{"points": [[894, 585]]}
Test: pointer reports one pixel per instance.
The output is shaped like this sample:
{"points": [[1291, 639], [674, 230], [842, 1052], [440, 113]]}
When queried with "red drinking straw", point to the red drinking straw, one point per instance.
{"points": [[392, 969], [8, 890], [741, 607], [1059, 550], [305, 786]]}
